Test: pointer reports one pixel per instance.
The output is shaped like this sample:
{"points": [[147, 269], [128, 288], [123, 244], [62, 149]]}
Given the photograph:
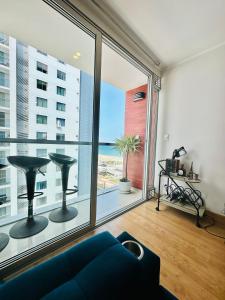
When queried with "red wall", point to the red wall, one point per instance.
{"points": [[135, 124]]}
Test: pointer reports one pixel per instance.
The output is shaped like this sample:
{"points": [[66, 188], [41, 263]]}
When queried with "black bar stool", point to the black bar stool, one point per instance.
{"points": [[64, 213], [4, 238], [33, 224]]}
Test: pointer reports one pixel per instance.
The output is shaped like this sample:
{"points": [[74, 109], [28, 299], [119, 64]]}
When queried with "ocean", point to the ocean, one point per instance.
{"points": [[108, 150]]}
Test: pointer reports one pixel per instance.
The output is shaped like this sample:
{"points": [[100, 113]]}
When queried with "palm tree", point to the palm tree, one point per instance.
{"points": [[127, 145]]}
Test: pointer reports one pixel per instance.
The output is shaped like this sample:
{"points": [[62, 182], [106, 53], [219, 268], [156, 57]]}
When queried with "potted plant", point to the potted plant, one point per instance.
{"points": [[127, 145]]}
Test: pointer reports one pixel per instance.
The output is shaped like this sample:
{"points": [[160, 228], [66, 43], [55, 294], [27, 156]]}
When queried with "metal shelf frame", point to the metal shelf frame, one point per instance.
{"points": [[198, 204]]}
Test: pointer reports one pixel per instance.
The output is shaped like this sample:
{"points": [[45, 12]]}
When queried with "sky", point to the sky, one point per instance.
{"points": [[112, 112]]}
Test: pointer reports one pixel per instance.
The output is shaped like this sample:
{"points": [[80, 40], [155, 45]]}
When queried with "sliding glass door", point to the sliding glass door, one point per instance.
{"points": [[122, 133], [81, 106], [46, 108]]}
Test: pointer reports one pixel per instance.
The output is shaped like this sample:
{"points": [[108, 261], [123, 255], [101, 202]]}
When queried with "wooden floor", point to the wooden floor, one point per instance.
{"points": [[192, 261]]}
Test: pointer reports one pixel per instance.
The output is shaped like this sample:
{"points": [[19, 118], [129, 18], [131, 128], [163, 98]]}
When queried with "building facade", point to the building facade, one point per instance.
{"points": [[39, 99]]}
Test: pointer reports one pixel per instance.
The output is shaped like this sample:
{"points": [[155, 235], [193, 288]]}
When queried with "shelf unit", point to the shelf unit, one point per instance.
{"points": [[194, 206]]}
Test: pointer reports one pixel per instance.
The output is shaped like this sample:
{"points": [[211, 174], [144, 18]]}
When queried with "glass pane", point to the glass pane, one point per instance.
{"points": [[123, 120], [46, 93]]}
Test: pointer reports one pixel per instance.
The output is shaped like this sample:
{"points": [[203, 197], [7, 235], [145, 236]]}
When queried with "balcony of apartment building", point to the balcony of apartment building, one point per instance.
{"points": [[4, 101], [4, 80], [4, 39], [4, 121], [4, 59]]}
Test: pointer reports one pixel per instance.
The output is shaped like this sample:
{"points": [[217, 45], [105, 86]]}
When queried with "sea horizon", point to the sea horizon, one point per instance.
{"points": [[108, 150]]}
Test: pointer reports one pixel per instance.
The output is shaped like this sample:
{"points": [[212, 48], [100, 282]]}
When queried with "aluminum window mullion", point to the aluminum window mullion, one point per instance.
{"points": [[95, 128]]}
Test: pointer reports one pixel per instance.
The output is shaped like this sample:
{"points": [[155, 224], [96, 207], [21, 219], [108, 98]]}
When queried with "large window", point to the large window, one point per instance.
{"points": [[121, 179], [41, 185], [4, 79], [61, 91], [61, 75], [42, 102], [40, 119], [60, 122], [60, 137], [42, 85], [51, 106], [42, 67], [4, 59], [40, 135], [61, 106]]}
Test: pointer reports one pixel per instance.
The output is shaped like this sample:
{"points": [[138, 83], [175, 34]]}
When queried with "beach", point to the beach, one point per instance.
{"points": [[110, 170]]}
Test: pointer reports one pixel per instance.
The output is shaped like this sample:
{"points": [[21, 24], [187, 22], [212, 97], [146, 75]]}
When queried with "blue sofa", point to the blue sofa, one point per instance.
{"points": [[99, 268]]}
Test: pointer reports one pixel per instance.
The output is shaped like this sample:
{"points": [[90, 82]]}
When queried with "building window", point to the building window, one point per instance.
{"points": [[3, 197], [42, 67], [42, 85], [2, 119], [2, 134], [41, 152], [41, 201], [60, 122], [41, 185], [41, 135], [40, 119], [4, 79], [42, 102], [61, 75], [61, 106], [61, 91], [2, 177], [3, 155], [42, 52], [4, 59], [60, 137]]}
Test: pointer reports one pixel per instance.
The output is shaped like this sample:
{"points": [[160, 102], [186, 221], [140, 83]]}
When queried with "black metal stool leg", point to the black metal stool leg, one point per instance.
{"points": [[31, 225], [64, 213]]}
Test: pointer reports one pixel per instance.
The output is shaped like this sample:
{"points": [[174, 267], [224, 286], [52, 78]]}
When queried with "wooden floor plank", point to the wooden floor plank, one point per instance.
{"points": [[192, 261]]}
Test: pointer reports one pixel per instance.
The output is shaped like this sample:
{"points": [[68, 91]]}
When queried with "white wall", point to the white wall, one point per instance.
{"points": [[192, 112]]}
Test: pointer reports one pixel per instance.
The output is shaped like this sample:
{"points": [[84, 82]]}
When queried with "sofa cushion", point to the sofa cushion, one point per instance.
{"points": [[114, 274], [47, 276]]}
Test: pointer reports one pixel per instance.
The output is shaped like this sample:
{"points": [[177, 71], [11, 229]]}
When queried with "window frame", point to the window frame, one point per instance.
{"points": [[59, 73], [41, 67], [61, 91], [43, 117], [42, 100], [42, 85], [60, 104]]}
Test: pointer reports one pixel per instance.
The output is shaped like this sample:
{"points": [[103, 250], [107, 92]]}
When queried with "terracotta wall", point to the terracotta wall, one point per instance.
{"points": [[135, 124]]}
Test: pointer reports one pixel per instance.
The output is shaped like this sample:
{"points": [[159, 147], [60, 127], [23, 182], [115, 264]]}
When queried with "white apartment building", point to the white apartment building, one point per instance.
{"points": [[44, 96], [7, 123]]}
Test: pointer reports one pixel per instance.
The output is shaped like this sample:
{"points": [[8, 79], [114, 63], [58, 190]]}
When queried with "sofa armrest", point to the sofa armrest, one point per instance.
{"points": [[150, 267], [40, 280]]}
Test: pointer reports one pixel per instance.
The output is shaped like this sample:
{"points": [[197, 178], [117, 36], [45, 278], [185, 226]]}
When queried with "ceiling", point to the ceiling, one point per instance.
{"points": [[174, 30], [35, 23]]}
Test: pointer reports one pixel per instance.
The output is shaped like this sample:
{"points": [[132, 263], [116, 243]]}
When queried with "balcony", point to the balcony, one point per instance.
{"points": [[4, 40], [4, 61], [5, 123], [4, 82], [4, 100]]}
